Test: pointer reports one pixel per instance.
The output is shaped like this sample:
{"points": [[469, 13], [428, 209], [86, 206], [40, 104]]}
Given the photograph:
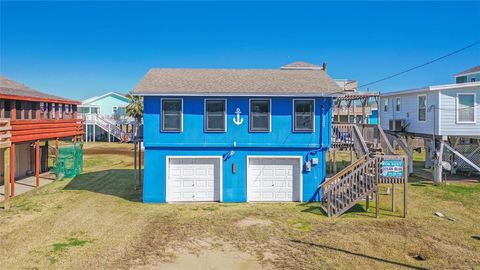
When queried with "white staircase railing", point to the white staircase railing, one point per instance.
{"points": [[109, 126]]}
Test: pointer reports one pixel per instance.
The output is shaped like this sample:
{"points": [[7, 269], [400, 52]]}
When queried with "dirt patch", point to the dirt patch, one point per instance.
{"points": [[251, 221], [210, 259], [205, 254]]}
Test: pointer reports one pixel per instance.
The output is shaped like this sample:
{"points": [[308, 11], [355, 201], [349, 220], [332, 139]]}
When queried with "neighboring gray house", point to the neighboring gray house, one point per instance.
{"points": [[444, 115]]}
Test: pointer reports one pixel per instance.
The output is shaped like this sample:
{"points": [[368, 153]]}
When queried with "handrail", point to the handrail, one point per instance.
{"points": [[360, 142], [344, 171], [111, 127], [385, 143], [355, 185]]}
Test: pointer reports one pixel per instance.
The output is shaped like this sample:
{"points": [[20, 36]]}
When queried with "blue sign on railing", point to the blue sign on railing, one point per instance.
{"points": [[392, 168]]}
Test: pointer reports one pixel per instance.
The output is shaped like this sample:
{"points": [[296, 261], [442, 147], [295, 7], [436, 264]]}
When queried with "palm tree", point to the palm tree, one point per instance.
{"points": [[135, 109]]}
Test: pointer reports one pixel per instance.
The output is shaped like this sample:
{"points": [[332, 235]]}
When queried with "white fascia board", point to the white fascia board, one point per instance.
{"points": [[92, 99], [322, 94]]}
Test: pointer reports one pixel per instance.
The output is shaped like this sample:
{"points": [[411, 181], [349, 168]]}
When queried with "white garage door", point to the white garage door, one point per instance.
{"points": [[193, 179], [273, 179]]}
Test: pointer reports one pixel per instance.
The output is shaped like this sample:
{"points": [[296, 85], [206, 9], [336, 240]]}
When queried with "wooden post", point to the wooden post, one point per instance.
{"points": [[438, 169], [377, 101], [140, 163], [22, 110], [109, 132], [13, 110], [2, 108], [135, 163], [57, 111], [377, 198], [6, 177], [393, 197], [93, 132], [338, 110], [12, 168], [56, 148], [37, 163], [364, 103], [367, 202], [348, 111], [354, 113], [334, 161], [405, 192], [37, 110]]}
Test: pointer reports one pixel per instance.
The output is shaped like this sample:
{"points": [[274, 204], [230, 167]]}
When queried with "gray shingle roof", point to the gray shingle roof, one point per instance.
{"points": [[470, 70], [14, 88], [236, 82]]}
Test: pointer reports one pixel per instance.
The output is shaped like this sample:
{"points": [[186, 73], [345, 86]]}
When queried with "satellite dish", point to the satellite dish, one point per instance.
{"points": [[446, 166]]}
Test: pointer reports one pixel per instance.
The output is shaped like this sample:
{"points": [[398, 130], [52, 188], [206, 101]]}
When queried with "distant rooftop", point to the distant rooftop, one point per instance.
{"points": [[301, 65], [469, 71], [11, 88]]}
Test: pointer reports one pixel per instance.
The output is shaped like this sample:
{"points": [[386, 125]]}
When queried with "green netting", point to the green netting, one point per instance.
{"points": [[70, 161]]}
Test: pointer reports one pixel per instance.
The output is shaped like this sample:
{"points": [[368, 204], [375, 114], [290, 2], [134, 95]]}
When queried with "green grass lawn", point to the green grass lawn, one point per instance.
{"points": [[97, 221]]}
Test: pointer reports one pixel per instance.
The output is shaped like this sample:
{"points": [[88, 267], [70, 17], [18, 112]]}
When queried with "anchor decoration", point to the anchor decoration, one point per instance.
{"points": [[238, 120]]}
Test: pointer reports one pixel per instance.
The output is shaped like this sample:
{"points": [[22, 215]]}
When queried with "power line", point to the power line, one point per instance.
{"points": [[422, 65]]}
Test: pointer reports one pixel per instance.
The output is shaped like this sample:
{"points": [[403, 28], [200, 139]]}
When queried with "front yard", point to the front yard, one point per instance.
{"points": [[97, 220]]}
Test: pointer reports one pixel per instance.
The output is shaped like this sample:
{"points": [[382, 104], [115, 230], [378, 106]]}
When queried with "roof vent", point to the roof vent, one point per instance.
{"points": [[302, 66]]}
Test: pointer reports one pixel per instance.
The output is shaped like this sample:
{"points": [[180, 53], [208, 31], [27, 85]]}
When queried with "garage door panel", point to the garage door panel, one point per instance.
{"points": [[193, 179], [273, 179]]}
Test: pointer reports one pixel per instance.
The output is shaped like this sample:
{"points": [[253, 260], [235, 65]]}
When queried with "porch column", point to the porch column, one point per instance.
{"points": [[438, 169], [6, 177], [37, 110], [56, 148], [348, 111], [57, 111], [428, 153], [377, 101], [13, 110], [2, 108], [12, 168], [37, 163]]}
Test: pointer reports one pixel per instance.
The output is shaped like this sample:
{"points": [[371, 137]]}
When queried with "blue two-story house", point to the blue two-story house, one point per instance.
{"points": [[236, 135]]}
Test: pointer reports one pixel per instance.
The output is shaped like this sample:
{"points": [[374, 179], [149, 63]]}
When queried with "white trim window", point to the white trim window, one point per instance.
{"points": [[466, 108], [422, 108], [215, 115], [385, 104], [260, 113], [397, 104], [172, 115], [303, 115]]}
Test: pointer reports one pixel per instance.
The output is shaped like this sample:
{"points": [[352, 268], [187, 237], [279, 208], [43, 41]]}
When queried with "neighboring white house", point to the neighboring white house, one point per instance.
{"points": [[443, 110], [444, 115], [469, 75], [106, 118]]}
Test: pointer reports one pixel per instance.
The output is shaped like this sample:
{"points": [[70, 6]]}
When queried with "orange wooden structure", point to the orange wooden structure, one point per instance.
{"points": [[33, 117]]}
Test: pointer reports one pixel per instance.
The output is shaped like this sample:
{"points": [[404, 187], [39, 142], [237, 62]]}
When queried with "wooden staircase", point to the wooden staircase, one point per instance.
{"points": [[361, 178]]}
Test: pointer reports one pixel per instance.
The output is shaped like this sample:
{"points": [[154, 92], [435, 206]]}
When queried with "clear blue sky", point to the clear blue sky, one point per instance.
{"points": [[83, 49]]}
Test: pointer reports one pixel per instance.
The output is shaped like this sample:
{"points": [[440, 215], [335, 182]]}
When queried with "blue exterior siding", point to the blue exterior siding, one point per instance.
{"points": [[193, 141]]}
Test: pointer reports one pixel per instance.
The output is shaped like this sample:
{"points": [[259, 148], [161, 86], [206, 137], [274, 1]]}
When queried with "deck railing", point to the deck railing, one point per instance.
{"points": [[28, 130], [5, 133]]}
